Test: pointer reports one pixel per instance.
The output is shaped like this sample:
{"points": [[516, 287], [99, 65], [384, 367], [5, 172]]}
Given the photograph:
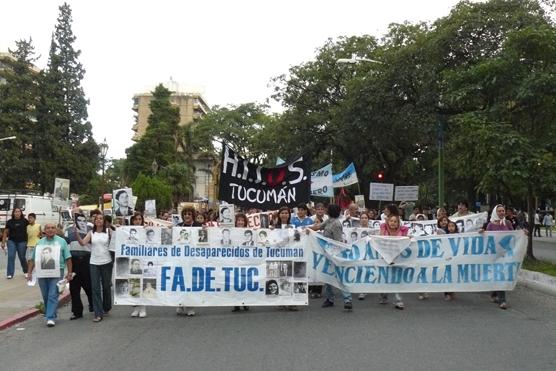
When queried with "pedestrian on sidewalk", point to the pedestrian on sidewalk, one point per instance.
{"points": [[101, 266], [537, 227], [34, 234], [15, 233], [48, 278], [548, 222]]}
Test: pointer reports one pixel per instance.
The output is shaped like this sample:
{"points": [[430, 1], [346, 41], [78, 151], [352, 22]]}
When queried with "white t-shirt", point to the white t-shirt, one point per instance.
{"points": [[100, 253]]}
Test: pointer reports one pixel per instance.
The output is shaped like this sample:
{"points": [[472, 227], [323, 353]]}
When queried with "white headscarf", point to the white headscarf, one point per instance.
{"points": [[494, 216]]}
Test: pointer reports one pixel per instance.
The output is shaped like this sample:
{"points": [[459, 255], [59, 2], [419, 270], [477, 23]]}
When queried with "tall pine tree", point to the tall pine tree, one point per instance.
{"points": [[18, 101], [67, 148]]}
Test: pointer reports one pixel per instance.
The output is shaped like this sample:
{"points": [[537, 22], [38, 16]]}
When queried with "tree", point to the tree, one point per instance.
{"points": [[67, 148], [510, 118], [241, 127], [152, 188], [18, 100]]}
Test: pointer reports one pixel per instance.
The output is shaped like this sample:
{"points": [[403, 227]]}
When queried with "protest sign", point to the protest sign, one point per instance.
{"points": [[226, 215], [260, 220], [321, 182], [210, 267], [61, 192], [406, 193], [150, 208], [381, 191], [468, 223], [346, 177], [488, 261], [248, 185], [122, 202], [80, 221]]}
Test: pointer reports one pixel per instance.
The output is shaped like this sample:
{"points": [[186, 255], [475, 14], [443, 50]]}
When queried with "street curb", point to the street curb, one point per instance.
{"points": [[538, 281], [30, 313]]}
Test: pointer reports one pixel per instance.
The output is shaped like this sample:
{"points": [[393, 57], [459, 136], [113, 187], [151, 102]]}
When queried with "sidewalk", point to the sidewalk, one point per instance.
{"points": [[17, 300]]}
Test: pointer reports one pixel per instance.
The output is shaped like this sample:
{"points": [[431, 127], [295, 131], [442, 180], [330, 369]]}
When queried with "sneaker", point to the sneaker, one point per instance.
{"points": [[421, 297], [448, 297], [399, 305], [135, 312], [383, 299], [503, 305], [190, 312], [9, 277], [180, 311], [348, 306], [142, 312], [50, 323], [361, 296], [327, 303]]}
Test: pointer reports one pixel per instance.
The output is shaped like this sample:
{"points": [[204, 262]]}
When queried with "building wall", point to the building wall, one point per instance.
{"points": [[191, 106]]}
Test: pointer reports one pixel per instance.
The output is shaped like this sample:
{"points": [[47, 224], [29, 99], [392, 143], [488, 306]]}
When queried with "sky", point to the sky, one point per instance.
{"points": [[227, 50]]}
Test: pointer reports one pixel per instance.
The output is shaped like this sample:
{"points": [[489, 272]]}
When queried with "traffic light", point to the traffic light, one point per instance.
{"points": [[380, 176]]}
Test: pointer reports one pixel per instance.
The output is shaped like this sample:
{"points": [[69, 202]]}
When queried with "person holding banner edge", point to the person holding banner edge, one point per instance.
{"points": [[393, 227], [188, 220], [241, 222], [332, 228], [138, 310]]}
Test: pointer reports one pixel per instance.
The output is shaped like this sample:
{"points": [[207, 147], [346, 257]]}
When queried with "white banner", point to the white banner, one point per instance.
{"points": [[406, 193], [346, 177], [381, 191], [468, 223], [210, 267], [321, 182], [468, 262]]}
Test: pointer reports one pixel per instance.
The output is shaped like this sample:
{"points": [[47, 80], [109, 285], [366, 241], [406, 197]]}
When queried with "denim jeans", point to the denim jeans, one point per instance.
{"points": [[49, 291], [19, 248], [329, 294], [101, 282]]}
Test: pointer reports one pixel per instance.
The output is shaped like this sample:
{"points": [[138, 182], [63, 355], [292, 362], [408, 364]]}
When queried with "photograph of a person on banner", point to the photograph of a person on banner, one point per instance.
{"points": [[248, 234], [122, 202], [47, 261], [226, 240], [202, 236], [271, 287], [226, 214]]}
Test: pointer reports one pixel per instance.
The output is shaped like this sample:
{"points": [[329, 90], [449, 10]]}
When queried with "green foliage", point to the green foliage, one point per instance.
{"points": [[66, 147], [180, 177], [242, 127], [147, 188], [540, 266], [18, 99]]}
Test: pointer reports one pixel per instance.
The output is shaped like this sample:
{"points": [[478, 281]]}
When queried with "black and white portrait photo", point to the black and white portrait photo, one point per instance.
{"points": [[273, 269], [152, 236], [5, 204], [150, 208], [81, 223], [122, 288], [149, 288], [176, 219], [181, 236], [202, 237], [122, 266], [299, 269], [134, 235], [226, 215], [286, 268], [61, 189], [122, 202], [285, 286], [135, 267], [166, 236], [461, 225], [47, 258], [226, 239], [150, 270], [135, 287], [264, 220], [262, 237], [248, 238], [300, 288], [271, 287]]}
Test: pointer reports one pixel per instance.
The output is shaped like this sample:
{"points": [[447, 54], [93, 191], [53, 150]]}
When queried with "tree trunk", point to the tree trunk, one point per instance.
{"points": [[531, 214]]}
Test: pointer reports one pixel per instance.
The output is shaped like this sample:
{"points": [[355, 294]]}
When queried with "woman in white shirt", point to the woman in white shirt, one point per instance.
{"points": [[101, 266]]}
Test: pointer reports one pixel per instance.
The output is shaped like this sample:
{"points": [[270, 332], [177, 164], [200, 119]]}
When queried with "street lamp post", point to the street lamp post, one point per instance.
{"points": [[103, 151]]}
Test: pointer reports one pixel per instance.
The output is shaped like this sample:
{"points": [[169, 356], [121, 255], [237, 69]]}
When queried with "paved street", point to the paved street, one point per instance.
{"points": [[469, 333], [545, 248]]}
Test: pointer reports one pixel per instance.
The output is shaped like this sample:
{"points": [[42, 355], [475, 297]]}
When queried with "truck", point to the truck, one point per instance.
{"points": [[28, 203]]}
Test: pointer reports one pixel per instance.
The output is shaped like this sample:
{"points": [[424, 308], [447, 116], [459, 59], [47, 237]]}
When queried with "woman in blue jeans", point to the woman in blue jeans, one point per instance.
{"points": [[101, 266], [15, 234]]}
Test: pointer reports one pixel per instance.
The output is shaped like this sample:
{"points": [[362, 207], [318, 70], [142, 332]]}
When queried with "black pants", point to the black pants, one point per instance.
{"points": [[82, 280], [536, 229]]}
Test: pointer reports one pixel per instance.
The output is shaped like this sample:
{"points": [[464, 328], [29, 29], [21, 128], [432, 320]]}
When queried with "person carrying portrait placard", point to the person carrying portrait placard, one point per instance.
{"points": [[49, 257]]}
